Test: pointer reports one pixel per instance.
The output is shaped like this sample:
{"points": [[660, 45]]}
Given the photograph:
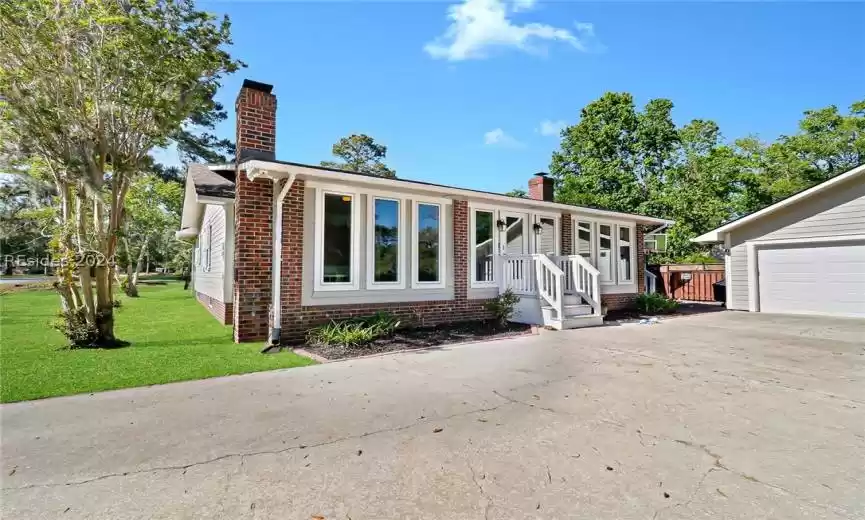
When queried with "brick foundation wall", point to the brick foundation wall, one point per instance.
{"points": [[253, 224], [615, 302], [221, 311], [297, 318]]}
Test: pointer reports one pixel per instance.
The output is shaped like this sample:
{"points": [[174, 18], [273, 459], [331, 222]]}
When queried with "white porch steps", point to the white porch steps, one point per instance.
{"points": [[575, 316], [566, 287]]}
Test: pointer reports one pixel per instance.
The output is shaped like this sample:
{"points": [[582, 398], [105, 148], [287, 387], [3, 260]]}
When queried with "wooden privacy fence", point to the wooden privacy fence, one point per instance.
{"points": [[690, 281]]}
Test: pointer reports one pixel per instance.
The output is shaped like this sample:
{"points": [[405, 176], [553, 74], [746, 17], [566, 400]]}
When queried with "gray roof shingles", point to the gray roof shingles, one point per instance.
{"points": [[209, 183]]}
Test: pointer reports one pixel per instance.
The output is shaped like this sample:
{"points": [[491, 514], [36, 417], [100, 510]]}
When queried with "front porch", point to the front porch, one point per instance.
{"points": [[558, 291]]}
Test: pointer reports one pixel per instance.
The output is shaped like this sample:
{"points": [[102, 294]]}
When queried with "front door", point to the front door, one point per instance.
{"points": [[512, 240]]}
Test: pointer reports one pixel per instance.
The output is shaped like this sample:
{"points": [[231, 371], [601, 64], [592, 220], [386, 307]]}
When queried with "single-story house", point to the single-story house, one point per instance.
{"points": [[802, 255], [329, 244]]}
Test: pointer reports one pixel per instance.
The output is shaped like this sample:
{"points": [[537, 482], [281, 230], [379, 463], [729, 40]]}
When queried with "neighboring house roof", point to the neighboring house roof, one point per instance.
{"points": [[212, 180], [716, 235], [259, 168]]}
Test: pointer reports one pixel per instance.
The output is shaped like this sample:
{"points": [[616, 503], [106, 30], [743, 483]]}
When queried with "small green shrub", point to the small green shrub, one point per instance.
{"points": [[354, 332], [74, 326], [656, 303], [502, 307]]}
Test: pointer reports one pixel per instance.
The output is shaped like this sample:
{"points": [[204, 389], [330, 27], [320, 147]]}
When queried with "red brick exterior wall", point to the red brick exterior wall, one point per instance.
{"points": [[220, 310], [567, 234], [253, 239], [614, 302]]}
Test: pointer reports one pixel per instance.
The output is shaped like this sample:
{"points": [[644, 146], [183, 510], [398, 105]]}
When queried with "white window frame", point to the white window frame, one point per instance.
{"points": [[632, 233], [354, 270], [593, 242], [371, 284], [206, 253], [614, 250], [473, 209], [557, 238], [443, 242], [595, 228]]}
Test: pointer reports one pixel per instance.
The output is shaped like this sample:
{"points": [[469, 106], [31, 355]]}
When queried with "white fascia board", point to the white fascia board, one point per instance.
{"points": [[716, 234], [256, 169], [710, 238]]}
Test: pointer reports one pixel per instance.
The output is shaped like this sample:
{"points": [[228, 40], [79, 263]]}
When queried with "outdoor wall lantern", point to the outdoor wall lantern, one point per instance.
{"points": [[501, 224], [538, 228]]}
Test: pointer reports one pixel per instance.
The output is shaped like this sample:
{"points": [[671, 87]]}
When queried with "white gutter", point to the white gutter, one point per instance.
{"points": [[264, 169], [276, 287]]}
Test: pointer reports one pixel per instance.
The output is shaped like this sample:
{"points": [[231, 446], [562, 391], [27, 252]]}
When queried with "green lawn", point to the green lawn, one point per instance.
{"points": [[173, 339]]}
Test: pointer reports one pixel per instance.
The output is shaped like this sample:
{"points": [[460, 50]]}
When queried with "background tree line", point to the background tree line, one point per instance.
{"points": [[623, 159]]}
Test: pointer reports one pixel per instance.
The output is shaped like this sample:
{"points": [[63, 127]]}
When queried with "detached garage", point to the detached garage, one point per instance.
{"points": [[803, 255]]}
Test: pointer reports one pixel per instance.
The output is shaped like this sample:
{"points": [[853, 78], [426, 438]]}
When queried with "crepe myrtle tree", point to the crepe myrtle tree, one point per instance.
{"points": [[88, 89]]}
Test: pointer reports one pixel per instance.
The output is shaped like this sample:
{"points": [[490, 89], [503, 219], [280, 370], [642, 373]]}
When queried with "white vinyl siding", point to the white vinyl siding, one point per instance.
{"points": [[737, 287], [210, 269], [838, 212]]}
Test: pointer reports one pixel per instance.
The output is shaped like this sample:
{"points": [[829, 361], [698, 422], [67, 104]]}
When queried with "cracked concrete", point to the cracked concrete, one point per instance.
{"points": [[727, 415]]}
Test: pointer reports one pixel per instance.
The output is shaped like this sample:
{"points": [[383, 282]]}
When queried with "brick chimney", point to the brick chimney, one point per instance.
{"points": [[541, 187], [256, 121], [255, 110]]}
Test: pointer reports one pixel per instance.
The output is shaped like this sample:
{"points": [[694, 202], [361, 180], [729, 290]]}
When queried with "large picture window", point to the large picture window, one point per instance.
{"points": [[336, 241], [385, 251], [337, 238], [483, 248], [428, 257]]}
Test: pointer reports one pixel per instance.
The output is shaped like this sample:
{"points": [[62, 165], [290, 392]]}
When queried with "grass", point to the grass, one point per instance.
{"points": [[173, 338]]}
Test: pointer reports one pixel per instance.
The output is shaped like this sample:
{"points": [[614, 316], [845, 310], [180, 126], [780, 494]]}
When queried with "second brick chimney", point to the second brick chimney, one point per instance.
{"points": [[541, 187]]}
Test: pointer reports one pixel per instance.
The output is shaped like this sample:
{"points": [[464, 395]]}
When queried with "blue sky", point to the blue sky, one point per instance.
{"points": [[459, 91]]}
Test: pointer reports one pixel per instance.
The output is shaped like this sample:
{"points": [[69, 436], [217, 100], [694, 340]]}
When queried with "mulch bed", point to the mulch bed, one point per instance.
{"points": [[685, 309], [422, 337]]}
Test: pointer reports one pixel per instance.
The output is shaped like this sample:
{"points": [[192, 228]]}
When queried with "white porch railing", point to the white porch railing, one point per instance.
{"points": [[550, 283], [651, 282], [552, 277], [582, 279], [518, 274]]}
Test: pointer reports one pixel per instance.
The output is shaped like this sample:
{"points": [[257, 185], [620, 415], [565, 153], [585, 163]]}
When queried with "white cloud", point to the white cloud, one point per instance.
{"points": [[553, 128], [476, 26], [498, 137]]}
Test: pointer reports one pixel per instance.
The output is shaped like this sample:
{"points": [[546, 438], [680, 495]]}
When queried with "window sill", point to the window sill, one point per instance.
{"points": [[328, 287], [384, 286], [428, 285]]}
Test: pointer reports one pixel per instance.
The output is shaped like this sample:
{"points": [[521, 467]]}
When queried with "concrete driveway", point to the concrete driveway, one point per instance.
{"points": [[725, 415]]}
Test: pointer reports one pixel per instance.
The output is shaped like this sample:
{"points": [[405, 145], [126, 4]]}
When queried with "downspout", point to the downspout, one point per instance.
{"points": [[276, 287]]}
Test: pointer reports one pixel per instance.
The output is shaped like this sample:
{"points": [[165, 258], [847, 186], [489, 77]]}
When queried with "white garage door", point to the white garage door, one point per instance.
{"points": [[827, 280]]}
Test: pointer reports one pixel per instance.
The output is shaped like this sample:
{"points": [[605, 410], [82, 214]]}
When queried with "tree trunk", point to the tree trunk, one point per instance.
{"points": [[104, 305], [130, 288]]}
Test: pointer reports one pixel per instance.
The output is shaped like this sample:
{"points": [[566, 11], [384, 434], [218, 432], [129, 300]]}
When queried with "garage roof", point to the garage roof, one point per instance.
{"points": [[716, 235]]}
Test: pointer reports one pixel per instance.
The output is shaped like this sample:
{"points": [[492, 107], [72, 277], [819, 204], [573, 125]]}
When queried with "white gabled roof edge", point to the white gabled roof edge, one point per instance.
{"points": [[266, 169], [715, 234]]}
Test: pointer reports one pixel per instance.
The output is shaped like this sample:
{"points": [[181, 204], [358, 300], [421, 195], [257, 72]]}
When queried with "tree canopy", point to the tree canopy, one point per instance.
{"points": [[89, 89], [620, 158], [360, 153]]}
